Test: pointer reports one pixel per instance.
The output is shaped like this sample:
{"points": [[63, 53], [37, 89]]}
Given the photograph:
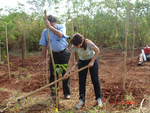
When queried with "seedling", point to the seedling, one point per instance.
{"points": [[28, 77], [22, 77], [23, 69], [59, 68], [129, 97]]}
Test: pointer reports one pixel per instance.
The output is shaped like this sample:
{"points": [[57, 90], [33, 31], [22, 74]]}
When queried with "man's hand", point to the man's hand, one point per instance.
{"points": [[44, 63], [47, 23]]}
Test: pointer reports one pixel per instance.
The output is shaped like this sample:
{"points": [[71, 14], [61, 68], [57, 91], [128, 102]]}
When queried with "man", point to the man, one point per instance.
{"points": [[60, 52], [145, 55]]}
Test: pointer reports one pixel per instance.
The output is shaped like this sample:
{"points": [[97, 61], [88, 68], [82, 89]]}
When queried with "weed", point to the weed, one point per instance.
{"points": [[16, 94], [129, 97], [101, 61], [2, 63], [89, 79], [23, 69], [96, 110], [28, 77], [11, 63], [6, 76], [15, 75], [4, 58], [22, 77], [2, 89]]}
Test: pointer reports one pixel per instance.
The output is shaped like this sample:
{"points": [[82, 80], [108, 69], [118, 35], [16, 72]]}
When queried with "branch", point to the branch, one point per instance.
{"points": [[140, 109]]}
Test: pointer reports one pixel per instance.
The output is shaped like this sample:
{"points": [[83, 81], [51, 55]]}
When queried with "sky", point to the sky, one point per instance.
{"points": [[14, 4]]}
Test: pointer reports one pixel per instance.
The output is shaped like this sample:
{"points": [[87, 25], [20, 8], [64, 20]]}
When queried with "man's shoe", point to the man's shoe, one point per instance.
{"points": [[140, 63], [99, 102], [67, 96], [80, 104]]}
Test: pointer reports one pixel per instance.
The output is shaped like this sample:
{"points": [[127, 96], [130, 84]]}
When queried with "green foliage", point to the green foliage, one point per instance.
{"points": [[103, 22], [22, 77], [24, 69], [129, 96], [28, 77], [59, 68], [2, 89], [4, 57]]}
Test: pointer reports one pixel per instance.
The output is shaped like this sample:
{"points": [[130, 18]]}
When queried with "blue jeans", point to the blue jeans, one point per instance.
{"points": [[94, 77]]}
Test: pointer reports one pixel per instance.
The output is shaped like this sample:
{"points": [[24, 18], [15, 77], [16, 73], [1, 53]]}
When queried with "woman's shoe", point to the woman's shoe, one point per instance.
{"points": [[80, 104], [99, 102]]}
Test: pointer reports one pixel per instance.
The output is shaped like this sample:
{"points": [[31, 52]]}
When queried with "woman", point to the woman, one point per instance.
{"points": [[88, 53]]}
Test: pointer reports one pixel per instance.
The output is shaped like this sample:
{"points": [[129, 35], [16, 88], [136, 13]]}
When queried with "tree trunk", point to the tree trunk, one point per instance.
{"points": [[22, 47], [125, 55], [134, 33], [7, 53]]}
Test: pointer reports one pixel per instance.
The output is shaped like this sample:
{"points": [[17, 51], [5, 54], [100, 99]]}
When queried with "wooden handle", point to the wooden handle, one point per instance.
{"points": [[45, 14], [53, 82]]}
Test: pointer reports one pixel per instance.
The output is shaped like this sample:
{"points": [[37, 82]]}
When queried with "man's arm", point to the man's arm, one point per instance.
{"points": [[55, 31], [44, 51]]}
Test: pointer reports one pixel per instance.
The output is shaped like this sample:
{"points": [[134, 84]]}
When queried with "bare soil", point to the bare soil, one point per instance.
{"points": [[27, 76]]}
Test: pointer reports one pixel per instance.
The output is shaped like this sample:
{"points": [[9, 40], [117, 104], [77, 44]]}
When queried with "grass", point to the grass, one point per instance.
{"points": [[2, 89]]}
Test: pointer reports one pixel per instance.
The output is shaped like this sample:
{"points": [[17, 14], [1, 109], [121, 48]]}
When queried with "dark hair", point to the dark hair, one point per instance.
{"points": [[77, 39], [51, 18]]}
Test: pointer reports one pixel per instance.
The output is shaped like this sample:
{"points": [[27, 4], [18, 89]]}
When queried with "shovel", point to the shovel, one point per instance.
{"points": [[18, 100]]}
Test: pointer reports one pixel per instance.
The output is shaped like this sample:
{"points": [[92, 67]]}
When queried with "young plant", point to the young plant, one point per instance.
{"points": [[59, 68], [22, 77]]}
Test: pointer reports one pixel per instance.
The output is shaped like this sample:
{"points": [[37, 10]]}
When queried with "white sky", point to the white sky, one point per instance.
{"points": [[14, 4]]}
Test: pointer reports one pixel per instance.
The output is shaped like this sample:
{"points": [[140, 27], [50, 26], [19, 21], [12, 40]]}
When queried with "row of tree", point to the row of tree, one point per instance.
{"points": [[100, 21]]}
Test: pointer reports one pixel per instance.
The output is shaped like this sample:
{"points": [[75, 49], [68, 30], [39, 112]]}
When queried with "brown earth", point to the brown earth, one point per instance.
{"points": [[27, 76]]}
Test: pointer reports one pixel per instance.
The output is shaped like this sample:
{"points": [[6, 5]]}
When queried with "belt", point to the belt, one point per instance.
{"points": [[59, 51], [89, 59]]}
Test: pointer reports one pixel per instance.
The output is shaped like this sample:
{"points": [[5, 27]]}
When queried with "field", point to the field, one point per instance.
{"points": [[27, 76]]}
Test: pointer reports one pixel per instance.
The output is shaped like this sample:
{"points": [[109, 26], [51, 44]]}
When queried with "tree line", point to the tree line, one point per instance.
{"points": [[103, 22]]}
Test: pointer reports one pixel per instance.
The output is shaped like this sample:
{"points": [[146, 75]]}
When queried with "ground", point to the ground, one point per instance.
{"points": [[27, 76]]}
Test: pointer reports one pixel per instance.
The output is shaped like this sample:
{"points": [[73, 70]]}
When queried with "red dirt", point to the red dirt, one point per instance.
{"points": [[26, 76]]}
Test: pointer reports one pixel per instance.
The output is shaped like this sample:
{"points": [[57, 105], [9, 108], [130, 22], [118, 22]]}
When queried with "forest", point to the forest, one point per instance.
{"points": [[102, 21]]}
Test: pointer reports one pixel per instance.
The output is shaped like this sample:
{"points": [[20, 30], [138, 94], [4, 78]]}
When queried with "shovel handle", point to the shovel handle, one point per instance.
{"points": [[52, 83]]}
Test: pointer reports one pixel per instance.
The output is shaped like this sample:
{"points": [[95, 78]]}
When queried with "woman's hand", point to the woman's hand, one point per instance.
{"points": [[90, 64], [66, 75]]}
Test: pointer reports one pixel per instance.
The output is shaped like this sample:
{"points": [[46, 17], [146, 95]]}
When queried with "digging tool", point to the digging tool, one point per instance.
{"points": [[18, 100], [52, 59]]}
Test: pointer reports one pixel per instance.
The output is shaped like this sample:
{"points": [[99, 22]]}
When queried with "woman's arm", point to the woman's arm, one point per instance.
{"points": [[96, 50], [70, 64]]}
